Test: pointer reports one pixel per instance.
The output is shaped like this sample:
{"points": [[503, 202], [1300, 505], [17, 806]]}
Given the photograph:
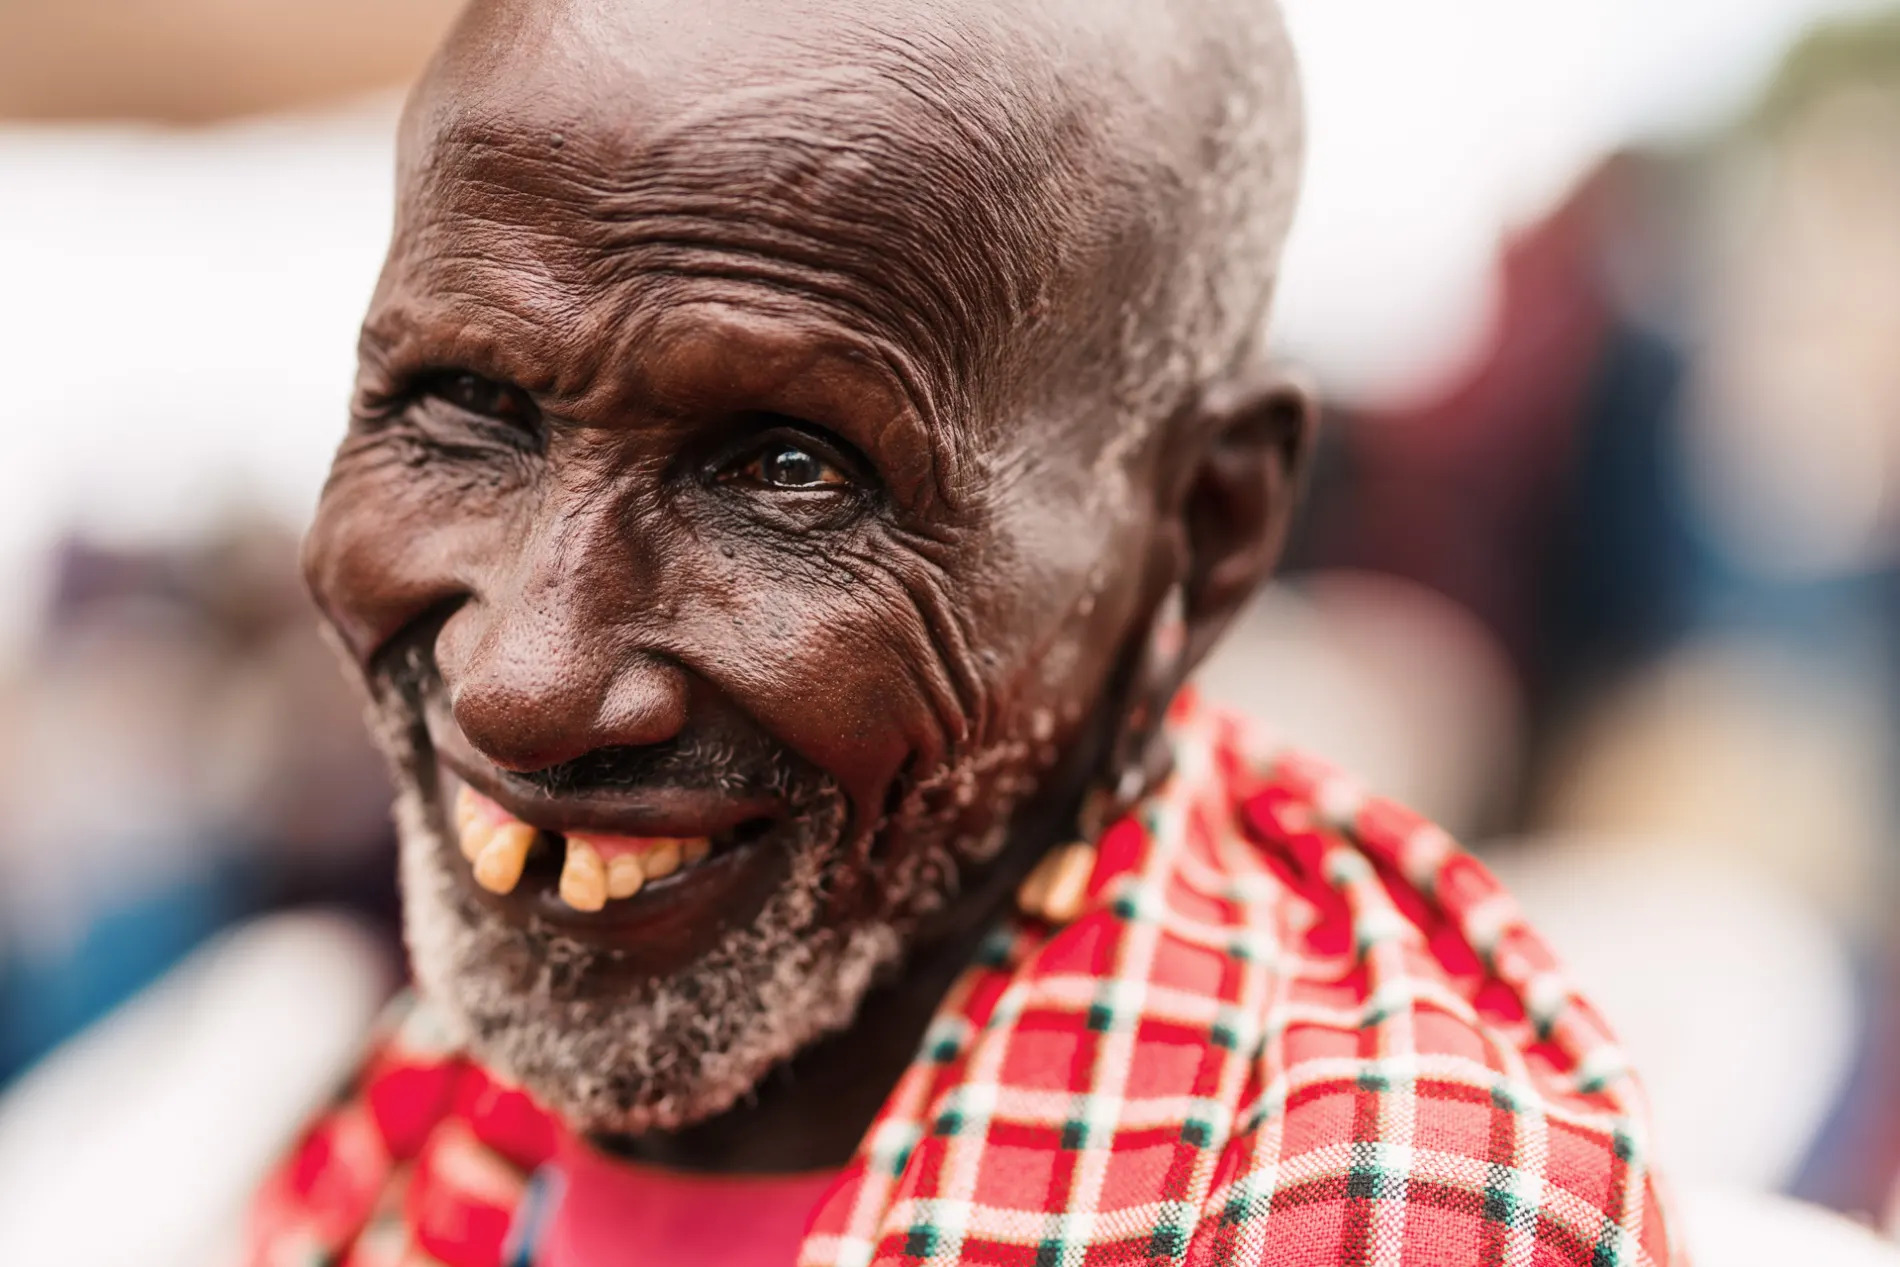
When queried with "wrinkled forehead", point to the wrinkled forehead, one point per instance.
{"points": [[900, 178]]}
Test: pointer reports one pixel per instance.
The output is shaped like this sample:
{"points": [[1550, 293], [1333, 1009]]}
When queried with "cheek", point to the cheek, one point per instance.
{"points": [[1043, 615], [823, 660], [393, 538], [1064, 628], [1060, 637]]}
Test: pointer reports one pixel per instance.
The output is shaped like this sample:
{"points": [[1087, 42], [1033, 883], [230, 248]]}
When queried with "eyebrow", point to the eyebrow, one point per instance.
{"points": [[920, 230], [821, 375]]}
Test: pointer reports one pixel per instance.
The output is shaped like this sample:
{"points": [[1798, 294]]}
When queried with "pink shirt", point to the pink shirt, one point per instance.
{"points": [[615, 1213]]}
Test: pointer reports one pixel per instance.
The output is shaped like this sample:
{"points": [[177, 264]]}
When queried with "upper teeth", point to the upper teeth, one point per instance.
{"points": [[583, 877], [596, 868], [498, 866]]}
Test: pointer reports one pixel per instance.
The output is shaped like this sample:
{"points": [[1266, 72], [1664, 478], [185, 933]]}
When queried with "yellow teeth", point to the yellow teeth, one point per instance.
{"points": [[498, 865], [583, 876], [661, 860], [472, 825], [468, 809], [625, 875], [628, 869], [596, 868]]}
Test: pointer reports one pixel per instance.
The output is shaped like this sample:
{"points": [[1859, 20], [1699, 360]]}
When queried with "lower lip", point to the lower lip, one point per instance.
{"points": [[666, 925]]}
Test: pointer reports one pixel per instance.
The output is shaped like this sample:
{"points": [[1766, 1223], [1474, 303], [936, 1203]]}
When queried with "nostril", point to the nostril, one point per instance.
{"points": [[646, 704], [534, 724], [536, 684]]}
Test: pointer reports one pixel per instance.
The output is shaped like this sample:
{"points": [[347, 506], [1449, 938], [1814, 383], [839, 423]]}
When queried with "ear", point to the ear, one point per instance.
{"points": [[1230, 485], [1239, 489]]}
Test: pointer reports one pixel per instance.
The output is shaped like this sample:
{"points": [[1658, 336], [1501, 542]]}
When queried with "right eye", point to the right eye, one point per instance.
{"points": [[484, 398]]}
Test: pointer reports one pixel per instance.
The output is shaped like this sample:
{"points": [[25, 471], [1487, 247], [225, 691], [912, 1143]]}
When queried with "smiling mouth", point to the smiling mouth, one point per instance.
{"points": [[587, 870]]}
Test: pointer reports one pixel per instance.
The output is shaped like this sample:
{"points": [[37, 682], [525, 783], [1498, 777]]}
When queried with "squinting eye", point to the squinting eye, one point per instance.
{"points": [[785, 465], [485, 397]]}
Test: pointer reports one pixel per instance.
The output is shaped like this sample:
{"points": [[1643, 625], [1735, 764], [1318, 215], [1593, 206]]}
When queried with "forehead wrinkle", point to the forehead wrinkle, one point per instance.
{"points": [[888, 186], [590, 263], [660, 231], [903, 178]]}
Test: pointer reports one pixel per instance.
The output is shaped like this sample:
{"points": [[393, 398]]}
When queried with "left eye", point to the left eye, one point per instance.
{"points": [[783, 464], [484, 397]]}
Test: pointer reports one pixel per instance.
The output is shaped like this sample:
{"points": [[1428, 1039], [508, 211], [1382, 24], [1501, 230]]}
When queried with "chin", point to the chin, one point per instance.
{"points": [[614, 1050]]}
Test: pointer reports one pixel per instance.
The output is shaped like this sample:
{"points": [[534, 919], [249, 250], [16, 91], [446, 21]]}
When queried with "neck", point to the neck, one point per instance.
{"points": [[811, 1112]]}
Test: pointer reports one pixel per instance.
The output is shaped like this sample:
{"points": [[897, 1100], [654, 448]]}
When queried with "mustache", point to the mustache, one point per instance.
{"points": [[697, 761], [735, 761]]}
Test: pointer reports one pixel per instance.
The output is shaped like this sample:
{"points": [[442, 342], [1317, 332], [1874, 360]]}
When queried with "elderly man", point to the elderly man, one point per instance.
{"points": [[800, 451]]}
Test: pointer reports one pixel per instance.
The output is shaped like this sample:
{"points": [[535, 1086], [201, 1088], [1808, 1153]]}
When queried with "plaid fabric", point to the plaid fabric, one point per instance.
{"points": [[424, 1161], [1295, 1027]]}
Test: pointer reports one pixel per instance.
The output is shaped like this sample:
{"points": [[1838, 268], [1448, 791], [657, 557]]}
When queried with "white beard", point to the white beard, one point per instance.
{"points": [[660, 1056], [608, 1055]]}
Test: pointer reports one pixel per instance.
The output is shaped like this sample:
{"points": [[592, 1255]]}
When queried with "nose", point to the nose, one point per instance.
{"points": [[534, 686]]}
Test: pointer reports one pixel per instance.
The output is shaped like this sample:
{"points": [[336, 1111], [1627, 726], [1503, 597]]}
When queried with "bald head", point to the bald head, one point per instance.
{"points": [[1026, 198]]}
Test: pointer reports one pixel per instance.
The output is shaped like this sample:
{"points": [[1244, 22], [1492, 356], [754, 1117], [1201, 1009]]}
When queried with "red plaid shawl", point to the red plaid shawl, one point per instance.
{"points": [[1296, 1027]]}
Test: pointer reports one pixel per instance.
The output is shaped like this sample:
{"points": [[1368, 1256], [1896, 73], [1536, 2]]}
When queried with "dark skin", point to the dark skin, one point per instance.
{"points": [[691, 408]]}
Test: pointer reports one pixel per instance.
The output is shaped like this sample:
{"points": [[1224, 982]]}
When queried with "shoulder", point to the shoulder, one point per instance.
{"points": [[1427, 1077]]}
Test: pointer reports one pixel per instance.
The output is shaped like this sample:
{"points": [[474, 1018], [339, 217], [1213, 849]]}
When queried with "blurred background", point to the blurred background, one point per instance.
{"points": [[1601, 566]]}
